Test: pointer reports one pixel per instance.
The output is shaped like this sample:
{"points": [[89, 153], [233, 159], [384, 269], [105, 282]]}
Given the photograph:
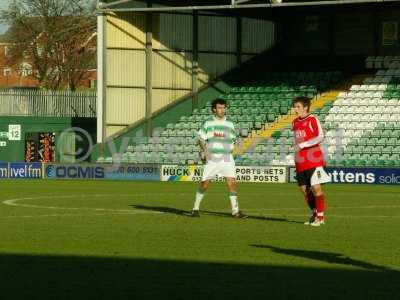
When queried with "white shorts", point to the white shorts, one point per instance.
{"points": [[220, 167]]}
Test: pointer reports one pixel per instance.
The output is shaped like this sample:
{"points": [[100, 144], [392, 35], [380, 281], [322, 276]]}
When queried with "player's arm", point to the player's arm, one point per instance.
{"points": [[316, 137], [296, 142], [234, 138], [202, 141]]}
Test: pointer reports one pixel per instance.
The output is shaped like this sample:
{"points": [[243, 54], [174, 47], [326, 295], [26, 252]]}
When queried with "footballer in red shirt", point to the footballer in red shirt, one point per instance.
{"points": [[309, 159]]}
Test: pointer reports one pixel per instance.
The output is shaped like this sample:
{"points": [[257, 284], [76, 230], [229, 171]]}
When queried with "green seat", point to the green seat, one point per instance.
{"points": [[361, 163], [349, 162], [276, 134], [270, 117], [284, 110]]}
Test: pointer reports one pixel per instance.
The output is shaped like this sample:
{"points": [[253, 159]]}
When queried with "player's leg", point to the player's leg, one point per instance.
{"points": [[209, 172], [303, 180], [320, 202], [308, 196], [203, 186], [232, 187], [319, 177], [310, 200]]}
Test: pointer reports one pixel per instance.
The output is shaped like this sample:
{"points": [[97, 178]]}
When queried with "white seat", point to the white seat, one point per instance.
{"points": [[387, 110], [361, 110], [342, 126], [382, 102], [339, 118], [352, 94], [378, 64], [359, 131], [351, 133], [368, 81], [353, 110], [339, 101], [369, 110], [391, 72], [378, 94], [329, 118], [375, 118], [370, 62], [382, 87], [370, 125], [373, 87], [365, 118], [387, 61], [374, 101], [330, 133], [378, 110], [380, 73], [385, 79], [359, 126]]}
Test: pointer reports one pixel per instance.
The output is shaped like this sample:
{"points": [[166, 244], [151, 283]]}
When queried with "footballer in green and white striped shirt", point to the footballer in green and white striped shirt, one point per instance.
{"points": [[217, 138]]}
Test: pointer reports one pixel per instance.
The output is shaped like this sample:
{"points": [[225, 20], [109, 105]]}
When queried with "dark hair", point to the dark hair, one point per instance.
{"points": [[305, 101], [217, 101]]}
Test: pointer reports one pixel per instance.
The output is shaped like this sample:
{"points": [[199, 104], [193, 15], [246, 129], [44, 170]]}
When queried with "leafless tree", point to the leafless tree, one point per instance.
{"points": [[55, 36]]}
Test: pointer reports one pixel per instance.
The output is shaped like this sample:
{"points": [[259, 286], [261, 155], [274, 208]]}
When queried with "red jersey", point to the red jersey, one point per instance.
{"points": [[308, 135]]}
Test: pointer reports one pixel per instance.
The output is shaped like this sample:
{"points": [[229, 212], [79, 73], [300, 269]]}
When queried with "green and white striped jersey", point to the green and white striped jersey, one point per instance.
{"points": [[219, 135]]}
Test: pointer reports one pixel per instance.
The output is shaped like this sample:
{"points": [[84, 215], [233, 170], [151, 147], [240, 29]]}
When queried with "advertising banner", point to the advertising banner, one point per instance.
{"points": [[358, 175], [243, 173], [25, 170], [133, 172], [102, 171], [3, 170]]}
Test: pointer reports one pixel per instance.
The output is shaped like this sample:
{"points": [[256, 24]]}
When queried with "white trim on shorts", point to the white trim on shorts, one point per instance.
{"points": [[319, 176]]}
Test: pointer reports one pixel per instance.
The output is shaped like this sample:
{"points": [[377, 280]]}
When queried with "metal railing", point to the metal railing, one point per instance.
{"points": [[44, 103]]}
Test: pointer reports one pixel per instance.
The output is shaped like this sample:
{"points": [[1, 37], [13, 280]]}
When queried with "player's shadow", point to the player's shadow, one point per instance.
{"points": [[181, 212], [329, 257], [252, 217], [162, 209]]}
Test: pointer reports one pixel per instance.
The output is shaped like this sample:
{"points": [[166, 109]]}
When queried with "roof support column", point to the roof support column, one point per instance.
{"points": [[195, 63], [149, 73], [238, 40], [102, 79]]}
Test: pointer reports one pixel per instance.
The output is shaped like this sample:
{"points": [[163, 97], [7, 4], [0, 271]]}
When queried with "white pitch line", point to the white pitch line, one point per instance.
{"points": [[12, 202], [334, 216], [67, 215], [331, 207]]}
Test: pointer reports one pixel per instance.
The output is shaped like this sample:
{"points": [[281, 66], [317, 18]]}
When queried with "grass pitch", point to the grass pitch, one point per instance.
{"points": [[134, 240]]}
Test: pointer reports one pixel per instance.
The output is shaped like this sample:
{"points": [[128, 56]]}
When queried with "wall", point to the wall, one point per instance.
{"points": [[172, 58], [340, 32]]}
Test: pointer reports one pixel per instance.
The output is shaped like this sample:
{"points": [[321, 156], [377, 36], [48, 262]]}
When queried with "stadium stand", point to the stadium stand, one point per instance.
{"points": [[361, 123], [253, 105], [362, 127]]}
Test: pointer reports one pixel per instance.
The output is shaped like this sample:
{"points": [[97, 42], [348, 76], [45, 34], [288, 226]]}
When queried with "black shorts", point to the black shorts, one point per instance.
{"points": [[312, 177]]}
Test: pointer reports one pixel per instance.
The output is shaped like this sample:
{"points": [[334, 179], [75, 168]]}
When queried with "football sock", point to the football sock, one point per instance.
{"points": [[198, 198], [234, 202], [320, 203]]}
